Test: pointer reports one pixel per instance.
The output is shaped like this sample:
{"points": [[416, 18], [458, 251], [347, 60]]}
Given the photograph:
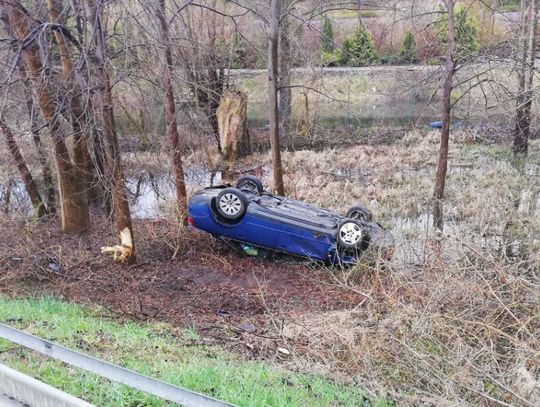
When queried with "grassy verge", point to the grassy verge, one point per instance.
{"points": [[159, 351], [343, 14]]}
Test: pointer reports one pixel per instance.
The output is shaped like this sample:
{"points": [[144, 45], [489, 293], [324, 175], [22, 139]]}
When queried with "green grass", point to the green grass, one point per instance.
{"points": [[157, 350], [374, 96], [337, 14], [509, 5]]}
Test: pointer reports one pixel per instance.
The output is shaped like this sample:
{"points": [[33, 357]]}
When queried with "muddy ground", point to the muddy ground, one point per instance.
{"points": [[183, 277]]}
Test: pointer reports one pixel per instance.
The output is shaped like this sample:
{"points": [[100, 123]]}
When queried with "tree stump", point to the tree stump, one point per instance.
{"points": [[232, 122]]}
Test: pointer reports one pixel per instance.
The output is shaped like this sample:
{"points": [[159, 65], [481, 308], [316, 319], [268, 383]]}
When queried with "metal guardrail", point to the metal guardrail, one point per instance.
{"points": [[6, 401], [116, 373], [23, 390]]}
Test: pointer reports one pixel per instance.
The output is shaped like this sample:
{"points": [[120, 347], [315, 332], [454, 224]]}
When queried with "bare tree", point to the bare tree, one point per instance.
{"points": [[100, 193], [40, 148], [172, 126], [285, 97], [273, 78], [32, 112], [73, 198], [203, 60], [115, 172], [442, 164], [77, 114], [528, 39]]}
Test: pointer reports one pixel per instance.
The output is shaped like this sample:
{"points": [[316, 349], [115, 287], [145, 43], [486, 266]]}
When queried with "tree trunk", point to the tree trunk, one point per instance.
{"points": [[73, 198], [442, 165], [214, 90], [7, 196], [273, 95], [78, 117], [204, 67], [122, 215], [233, 131], [285, 97], [96, 147], [48, 182], [528, 40], [172, 126], [522, 123], [24, 172]]}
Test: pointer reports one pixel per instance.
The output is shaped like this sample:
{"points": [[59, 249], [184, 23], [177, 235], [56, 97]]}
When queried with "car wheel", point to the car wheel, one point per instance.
{"points": [[250, 184], [231, 203], [359, 212], [350, 234]]}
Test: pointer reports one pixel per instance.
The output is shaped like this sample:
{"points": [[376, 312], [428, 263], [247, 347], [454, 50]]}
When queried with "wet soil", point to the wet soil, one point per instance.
{"points": [[183, 277]]}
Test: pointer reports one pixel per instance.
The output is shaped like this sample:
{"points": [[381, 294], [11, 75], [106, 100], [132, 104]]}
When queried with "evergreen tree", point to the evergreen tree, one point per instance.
{"points": [[327, 36], [408, 53], [238, 53], [467, 42], [358, 49]]}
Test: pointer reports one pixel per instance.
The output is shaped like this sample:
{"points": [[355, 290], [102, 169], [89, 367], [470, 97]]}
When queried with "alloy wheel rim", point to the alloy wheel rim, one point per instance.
{"points": [[230, 204], [350, 233]]}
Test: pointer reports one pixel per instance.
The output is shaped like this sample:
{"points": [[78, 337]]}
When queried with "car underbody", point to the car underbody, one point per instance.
{"points": [[253, 217]]}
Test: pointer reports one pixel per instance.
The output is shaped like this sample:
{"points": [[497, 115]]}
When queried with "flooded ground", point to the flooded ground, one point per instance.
{"points": [[151, 194], [152, 197], [13, 198]]}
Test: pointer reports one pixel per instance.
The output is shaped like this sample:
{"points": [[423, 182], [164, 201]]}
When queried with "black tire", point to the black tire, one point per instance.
{"points": [[251, 184], [350, 234], [231, 203], [359, 212]]}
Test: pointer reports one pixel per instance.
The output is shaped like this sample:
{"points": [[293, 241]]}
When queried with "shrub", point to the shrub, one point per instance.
{"points": [[358, 49], [390, 59], [408, 52], [327, 36], [467, 42], [331, 58], [238, 53]]}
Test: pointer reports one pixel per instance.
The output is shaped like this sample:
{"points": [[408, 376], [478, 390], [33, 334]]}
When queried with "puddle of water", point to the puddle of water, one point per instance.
{"points": [[152, 196], [149, 196], [410, 234], [19, 201], [361, 119], [413, 235]]}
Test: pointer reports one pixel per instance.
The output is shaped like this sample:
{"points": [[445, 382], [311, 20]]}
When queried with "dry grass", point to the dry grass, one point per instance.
{"points": [[461, 324], [461, 332]]}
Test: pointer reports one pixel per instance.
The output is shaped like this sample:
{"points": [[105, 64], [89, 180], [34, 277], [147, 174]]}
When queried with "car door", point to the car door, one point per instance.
{"points": [[302, 233], [260, 226]]}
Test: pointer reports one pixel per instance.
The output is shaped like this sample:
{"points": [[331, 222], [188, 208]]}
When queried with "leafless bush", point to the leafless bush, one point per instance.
{"points": [[463, 332], [456, 324]]}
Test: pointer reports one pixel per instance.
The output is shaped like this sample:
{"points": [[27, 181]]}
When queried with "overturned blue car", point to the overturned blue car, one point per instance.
{"points": [[254, 219]]}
